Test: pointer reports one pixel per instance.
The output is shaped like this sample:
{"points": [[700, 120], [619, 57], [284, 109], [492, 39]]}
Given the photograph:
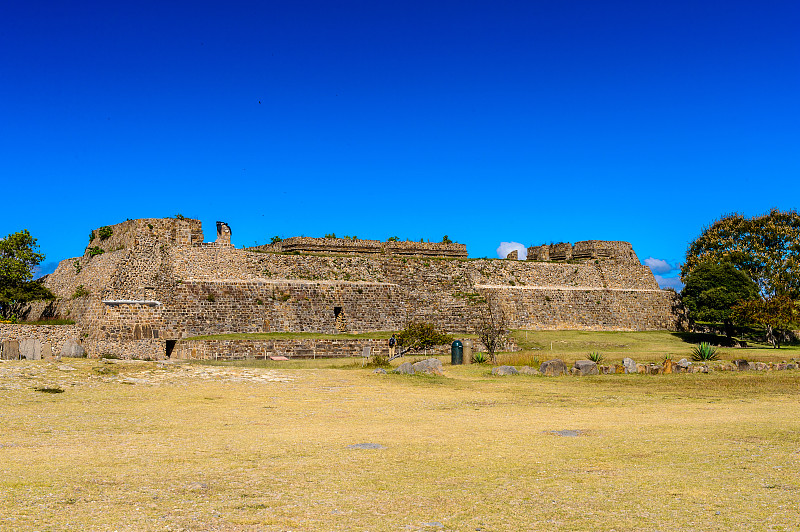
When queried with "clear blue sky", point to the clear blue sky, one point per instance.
{"points": [[525, 122]]}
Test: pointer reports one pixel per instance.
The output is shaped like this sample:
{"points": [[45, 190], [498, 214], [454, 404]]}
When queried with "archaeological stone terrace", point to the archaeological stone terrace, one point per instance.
{"points": [[143, 285]]}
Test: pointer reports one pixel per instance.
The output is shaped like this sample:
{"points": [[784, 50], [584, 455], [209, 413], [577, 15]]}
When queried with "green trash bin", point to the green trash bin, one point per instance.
{"points": [[457, 353]]}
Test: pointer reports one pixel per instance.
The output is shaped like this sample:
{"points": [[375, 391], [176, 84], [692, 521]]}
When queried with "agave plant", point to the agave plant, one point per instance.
{"points": [[479, 358], [704, 352], [595, 357]]}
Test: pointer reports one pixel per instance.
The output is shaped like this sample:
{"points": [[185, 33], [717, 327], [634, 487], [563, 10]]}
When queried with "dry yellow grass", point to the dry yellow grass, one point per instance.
{"points": [[191, 447]]}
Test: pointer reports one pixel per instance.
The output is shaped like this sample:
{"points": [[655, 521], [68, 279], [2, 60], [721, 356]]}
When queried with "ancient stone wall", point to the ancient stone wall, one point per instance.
{"points": [[169, 285]]}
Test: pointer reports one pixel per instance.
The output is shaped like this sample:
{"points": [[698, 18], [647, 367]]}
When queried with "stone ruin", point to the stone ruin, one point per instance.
{"points": [[153, 282]]}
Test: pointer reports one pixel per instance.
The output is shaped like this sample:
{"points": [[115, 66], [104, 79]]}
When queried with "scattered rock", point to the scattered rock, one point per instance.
{"points": [[72, 349], [585, 367], [49, 388], [133, 380], [366, 446], [741, 365], [668, 366], [437, 524], [431, 366], [760, 366], [505, 370], [619, 368], [64, 367], [527, 370], [641, 368], [655, 369], [630, 365], [567, 433], [553, 368], [406, 368], [197, 486], [380, 371], [683, 364], [791, 365]]}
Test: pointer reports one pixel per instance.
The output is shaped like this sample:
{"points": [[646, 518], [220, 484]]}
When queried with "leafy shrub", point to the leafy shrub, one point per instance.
{"points": [[80, 291], [210, 297], [275, 239], [91, 237], [180, 217], [393, 239], [446, 240], [78, 267], [380, 360], [95, 250], [330, 235], [421, 335], [105, 232], [704, 351], [595, 357]]}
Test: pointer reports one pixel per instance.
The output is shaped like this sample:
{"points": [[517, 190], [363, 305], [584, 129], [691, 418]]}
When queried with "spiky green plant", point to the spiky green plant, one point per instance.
{"points": [[704, 352], [595, 357], [479, 358]]}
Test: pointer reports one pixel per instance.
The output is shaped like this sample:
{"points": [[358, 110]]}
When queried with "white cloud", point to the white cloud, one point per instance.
{"points": [[669, 282], [507, 247], [659, 266]]}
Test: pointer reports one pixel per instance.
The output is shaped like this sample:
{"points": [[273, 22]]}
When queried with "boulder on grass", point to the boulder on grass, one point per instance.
{"points": [[527, 370], [406, 368], [585, 367], [73, 349], [30, 349], [505, 370], [630, 365], [741, 365], [553, 368], [431, 366]]}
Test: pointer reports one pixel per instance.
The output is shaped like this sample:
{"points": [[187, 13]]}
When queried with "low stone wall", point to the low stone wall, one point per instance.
{"points": [[301, 348], [146, 349], [53, 335], [293, 348]]}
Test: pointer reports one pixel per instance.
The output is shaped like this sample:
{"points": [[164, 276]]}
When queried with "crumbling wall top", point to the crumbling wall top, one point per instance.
{"points": [[616, 250], [302, 244], [132, 233]]}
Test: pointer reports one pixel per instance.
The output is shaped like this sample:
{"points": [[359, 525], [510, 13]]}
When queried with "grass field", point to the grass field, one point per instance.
{"points": [[150, 446]]}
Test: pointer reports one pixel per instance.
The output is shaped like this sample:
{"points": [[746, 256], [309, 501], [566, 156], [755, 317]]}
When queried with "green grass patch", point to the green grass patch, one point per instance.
{"points": [[642, 346]]}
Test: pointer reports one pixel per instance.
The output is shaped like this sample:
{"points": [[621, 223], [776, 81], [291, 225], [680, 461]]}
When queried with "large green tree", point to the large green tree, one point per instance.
{"points": [[18, 257], [712, 290], [777, 315], [765, 247]]}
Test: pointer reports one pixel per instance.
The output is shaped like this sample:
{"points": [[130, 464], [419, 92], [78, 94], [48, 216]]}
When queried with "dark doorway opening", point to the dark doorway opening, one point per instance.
{"points": [[337, 311], [170, 347]]}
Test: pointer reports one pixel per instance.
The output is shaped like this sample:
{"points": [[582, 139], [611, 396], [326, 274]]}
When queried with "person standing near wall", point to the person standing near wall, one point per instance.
{"points": [[392, 346]]}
